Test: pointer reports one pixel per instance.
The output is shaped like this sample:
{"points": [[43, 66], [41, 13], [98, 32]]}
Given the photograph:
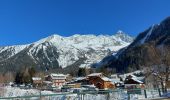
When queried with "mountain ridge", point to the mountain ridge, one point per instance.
{"points": [[56, 51]]}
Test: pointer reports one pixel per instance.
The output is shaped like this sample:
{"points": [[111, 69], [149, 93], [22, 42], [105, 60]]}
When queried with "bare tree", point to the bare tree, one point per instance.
{"points": [[9, 77], [2, 78], [160, 69]]}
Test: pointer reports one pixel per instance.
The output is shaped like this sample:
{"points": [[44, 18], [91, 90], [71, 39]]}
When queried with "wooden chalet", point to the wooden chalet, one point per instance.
{"points": [[133, 82], [100, 81]]}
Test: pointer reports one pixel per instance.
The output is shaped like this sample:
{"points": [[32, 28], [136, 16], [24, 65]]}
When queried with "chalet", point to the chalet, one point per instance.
{"points": [[133, 82], [137, 74], [58, 80], [37, 81], [100, 81], [96, 75]]}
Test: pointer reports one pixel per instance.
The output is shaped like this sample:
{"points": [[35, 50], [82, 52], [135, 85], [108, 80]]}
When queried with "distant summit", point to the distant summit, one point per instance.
{"points": [[123, 36]]}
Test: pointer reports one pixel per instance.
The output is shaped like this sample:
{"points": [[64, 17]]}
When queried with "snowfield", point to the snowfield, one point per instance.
{"points": [[117, 95], [17, 92]]}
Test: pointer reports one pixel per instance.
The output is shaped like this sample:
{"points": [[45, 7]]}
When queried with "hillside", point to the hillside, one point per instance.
{"points": [[150, 47]]}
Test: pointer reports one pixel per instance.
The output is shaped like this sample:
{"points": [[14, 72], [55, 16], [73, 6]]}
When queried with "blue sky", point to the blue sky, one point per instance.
{"points": [[26, 21]]}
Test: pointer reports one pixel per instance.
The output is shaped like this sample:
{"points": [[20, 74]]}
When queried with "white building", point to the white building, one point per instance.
{"points": [[58, 80]]}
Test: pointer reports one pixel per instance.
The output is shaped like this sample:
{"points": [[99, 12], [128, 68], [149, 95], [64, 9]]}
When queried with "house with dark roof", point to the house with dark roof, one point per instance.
{"points": [[131, 81]]}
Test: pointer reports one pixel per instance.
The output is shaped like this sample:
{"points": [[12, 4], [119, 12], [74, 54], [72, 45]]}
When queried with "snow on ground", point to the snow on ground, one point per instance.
{"points": [[115, 95], [16, 92]]}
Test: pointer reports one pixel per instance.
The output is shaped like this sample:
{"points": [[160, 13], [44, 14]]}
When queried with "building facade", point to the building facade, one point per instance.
{"points": [[58, 80]]}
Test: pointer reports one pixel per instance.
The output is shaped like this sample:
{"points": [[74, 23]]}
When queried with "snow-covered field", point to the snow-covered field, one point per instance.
{"points": [[49, 95], [17, 92], [14, 92]]}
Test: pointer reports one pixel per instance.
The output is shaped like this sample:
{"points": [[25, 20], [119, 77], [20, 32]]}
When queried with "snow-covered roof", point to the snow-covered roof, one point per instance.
{"points": [[123, 76], [135, 79], [57, 76], [132, 73], [133, 76], [36, 78], [80, 78], [105, 79], [95, 74], [53, 74], [47, 82]]}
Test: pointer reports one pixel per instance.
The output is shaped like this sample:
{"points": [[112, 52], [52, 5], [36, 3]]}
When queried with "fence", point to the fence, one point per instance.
{"points": [[118, 94]]}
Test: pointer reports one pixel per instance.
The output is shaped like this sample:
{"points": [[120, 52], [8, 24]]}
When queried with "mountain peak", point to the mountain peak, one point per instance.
{"points": [[54, 36], [123, 36], [120, 32]]}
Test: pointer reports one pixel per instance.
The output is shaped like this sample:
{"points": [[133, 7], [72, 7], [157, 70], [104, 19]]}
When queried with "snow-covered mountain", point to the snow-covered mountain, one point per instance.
{"points": [[150, 48], [57, 51]]}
